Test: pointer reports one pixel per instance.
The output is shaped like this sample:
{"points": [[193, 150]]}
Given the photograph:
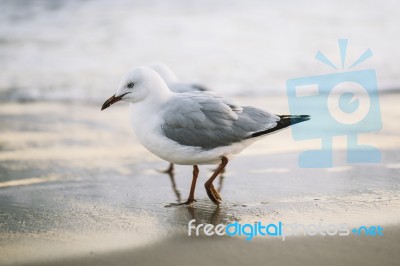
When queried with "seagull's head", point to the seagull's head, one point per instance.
{"points": [[165, 72], [137, 85]]}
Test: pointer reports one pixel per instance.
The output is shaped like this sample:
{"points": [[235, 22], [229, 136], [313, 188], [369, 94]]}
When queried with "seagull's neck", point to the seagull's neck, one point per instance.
{"points": [[158, 96], [153, 102], [145, 114]]}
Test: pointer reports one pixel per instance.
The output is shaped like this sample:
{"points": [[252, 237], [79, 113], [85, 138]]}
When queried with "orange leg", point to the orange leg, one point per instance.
{"points": [[169, 170], [211, 191], [192, 187]]}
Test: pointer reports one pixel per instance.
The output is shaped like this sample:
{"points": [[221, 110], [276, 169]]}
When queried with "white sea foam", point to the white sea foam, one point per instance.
{"points": [[79, 49]]}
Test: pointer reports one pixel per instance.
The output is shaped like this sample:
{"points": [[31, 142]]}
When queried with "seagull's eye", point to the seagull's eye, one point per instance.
{"points": [[130, 85]]}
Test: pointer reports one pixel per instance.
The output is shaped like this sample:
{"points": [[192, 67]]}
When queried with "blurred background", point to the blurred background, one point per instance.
{"points": [[73, 49], [76, 187]]}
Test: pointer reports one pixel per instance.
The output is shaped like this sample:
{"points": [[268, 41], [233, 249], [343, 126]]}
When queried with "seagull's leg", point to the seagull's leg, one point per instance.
{"points": [[169, 170], [220, 182], [211, 191], [193, 186], [174, 188], [222, 172]]}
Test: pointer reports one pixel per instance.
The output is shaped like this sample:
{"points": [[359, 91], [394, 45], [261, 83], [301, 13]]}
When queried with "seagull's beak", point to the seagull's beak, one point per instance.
{"points": [[113, 99]]}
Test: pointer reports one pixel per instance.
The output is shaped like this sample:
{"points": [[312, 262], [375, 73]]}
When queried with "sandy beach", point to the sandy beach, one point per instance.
{"points": [[76, 188]]}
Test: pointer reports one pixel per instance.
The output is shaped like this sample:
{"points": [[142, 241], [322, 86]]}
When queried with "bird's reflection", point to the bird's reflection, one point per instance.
{"points": [[203, 211], [200, 214]]}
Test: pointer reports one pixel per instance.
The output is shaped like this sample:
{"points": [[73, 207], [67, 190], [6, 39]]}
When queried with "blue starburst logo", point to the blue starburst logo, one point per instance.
{"points": [[344, 103]]}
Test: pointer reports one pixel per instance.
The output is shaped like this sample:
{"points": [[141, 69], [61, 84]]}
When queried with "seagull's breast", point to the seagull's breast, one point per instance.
{"points": [[147, 127]]}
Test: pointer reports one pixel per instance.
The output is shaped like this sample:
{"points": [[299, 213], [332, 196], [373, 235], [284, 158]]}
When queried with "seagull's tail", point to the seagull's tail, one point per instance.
{"points": [[286, 120]]}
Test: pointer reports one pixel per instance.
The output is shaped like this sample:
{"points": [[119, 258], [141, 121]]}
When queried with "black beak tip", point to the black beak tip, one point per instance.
{"points": [[105, 105], [109, 102], [113, 99]]}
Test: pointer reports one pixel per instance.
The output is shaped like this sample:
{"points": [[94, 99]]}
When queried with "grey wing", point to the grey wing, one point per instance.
{"points": [[209, 121]]}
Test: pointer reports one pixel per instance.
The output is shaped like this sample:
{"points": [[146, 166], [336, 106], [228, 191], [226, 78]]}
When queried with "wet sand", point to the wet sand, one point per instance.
{"points": [[77, 189]]}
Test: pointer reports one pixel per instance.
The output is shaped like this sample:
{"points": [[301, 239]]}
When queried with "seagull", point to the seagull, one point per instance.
{"points": [[174, 85], [193, 128]]}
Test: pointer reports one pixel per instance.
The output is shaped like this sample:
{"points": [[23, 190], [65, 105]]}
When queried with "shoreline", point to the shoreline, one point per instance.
{"points": [[76, 188]]}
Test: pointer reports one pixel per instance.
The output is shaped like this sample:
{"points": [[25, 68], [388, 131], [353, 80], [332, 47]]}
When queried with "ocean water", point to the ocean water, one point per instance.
{"points": [[78, 50]]}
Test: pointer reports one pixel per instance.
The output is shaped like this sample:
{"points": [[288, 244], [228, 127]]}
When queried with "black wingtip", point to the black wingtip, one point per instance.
{"points": [[294, 119], [286, 120]]}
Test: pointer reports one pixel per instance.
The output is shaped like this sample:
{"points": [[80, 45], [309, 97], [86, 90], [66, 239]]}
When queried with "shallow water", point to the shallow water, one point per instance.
{"points": [[74, 181]]}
